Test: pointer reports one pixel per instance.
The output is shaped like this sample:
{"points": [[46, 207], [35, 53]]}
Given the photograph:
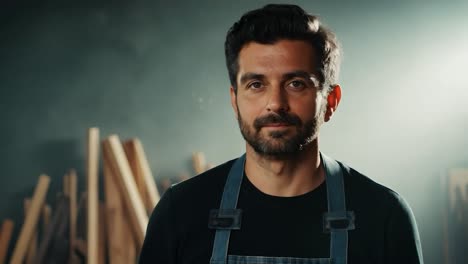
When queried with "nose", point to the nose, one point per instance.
{"points": [[277, 100]]}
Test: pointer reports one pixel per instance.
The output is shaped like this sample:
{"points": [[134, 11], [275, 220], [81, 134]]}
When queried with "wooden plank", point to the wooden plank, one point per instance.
{"points": [[46, 214], [6, 232], [30, 223], [131, 250], [81, 217], [144, 177], [66, 184], [112, 203], [102, 233], [119, 235], [130, 152], [59, 250], [199, 162], [165, 184], [93, 195], [73, 193], [32, 248], [152, 193], [134, 205], [54, 228], [79, 257], [75, 258], [81, 247]]}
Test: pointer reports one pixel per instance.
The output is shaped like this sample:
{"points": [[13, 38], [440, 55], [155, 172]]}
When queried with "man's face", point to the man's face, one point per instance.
{"points": [[278, 105]]}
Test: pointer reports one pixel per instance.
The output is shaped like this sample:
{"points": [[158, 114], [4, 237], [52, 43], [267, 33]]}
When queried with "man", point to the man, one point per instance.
{"points": [[284, 201]]}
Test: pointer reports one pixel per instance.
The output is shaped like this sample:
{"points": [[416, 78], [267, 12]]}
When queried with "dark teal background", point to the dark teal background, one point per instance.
{"points": [[155, 70]]}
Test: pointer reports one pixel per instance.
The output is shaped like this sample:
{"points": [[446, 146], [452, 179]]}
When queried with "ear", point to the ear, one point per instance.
{"points": [[333, 100], [234, 101]]}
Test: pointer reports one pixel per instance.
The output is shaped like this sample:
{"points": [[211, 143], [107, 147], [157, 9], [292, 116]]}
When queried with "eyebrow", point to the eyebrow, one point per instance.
{"points": [[301, 74], [249, 76], [294, 74]]}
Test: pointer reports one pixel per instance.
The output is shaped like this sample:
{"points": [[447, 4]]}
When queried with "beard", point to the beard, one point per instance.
{"points": [[278, 144]]}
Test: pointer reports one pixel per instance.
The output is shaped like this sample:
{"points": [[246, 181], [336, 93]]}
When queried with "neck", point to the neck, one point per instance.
{"points": [[290, 176]]}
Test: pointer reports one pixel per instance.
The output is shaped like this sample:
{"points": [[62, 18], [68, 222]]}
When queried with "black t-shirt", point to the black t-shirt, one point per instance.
{"points": [[280, 226]]}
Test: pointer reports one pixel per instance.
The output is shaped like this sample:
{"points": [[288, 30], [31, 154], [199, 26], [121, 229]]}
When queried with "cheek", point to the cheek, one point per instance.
{"points": [[306, 109], [249, 110], [245, 114]]}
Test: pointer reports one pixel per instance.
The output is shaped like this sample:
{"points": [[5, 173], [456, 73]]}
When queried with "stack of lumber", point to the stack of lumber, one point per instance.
{"points": [[89, 230], [79, 228]]}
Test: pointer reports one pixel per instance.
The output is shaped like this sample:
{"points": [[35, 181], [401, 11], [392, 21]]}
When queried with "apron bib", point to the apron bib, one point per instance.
{"points": [[337, 221]]}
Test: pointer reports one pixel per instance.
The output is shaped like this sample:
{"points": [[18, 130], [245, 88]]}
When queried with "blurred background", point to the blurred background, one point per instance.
{"points": [[155, 70]]}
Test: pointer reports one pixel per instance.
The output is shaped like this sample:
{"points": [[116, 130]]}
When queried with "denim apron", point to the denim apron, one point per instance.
{"points": [[337, 221]]}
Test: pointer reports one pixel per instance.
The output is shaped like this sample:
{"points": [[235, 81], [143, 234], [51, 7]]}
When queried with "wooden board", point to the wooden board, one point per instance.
{"points": [[126, 184], [152, 193], [66, 184], [199, 162], [136, 170], [81, 247], [55, 228], [73, 194], [120, 240], [130, 152], [5, 236], [30, 223], [142, 173], [81, 218], [46, 214], [93, 195], [32, 248], [102, 233]]}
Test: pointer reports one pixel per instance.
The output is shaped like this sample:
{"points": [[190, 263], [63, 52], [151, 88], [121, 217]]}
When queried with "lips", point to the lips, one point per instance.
{"points": [[277, 125]]}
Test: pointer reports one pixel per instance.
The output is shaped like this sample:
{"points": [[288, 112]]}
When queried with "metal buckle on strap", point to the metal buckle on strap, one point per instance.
{"points": [[338, 221], [228, 219]]}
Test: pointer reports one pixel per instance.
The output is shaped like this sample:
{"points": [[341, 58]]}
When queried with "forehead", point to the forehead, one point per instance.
{"points": [[280, 57]]}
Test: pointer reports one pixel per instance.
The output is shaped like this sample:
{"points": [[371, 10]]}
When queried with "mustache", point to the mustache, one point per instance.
{"points": [[281, 117]]}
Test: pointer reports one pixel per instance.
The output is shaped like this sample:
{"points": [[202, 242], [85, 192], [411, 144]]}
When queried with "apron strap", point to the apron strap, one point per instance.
{"points": [[227, 218], [337, 221]]}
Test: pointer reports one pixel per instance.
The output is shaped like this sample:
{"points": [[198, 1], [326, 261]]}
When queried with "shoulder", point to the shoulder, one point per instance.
{"points": [[183, 209], [192, 197], [378, 208], [361, 187], [375, 201], [204, 186]]}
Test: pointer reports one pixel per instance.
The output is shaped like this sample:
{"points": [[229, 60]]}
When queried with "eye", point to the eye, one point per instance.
{"points": [[255, 85], [297, 84]]}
